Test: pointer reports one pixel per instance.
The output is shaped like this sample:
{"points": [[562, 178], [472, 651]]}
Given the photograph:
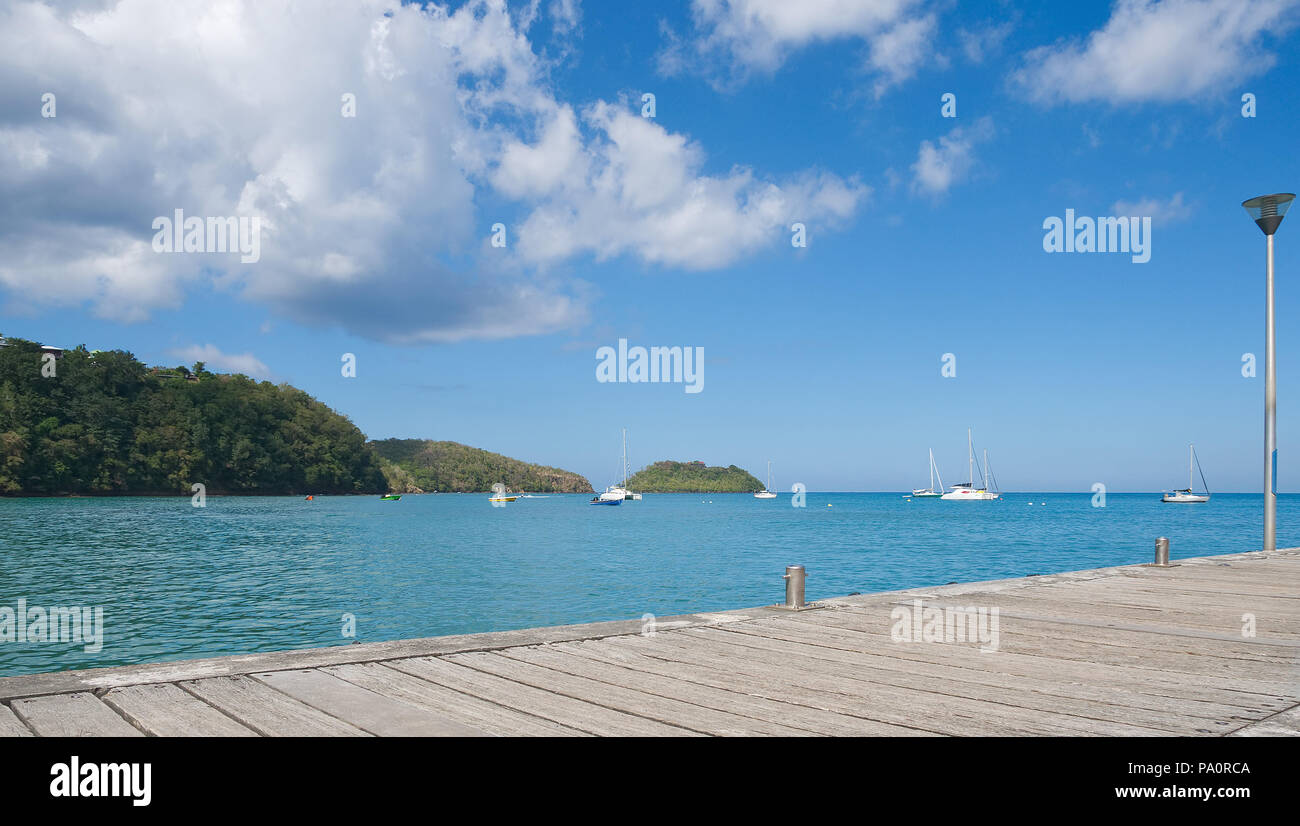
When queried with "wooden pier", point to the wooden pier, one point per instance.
{"points": [[1135, 650]]}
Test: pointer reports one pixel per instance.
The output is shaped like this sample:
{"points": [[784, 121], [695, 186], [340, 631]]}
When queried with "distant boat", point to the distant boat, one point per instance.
{"points": [[390, 497], [621, 490], [607, 498], [767, 493], [931, 492], [1185, 495], [504, 497], [966, 491]]}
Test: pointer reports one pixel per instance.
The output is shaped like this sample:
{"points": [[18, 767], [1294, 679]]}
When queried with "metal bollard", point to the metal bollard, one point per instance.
{"points": [[1162, 552], [794, 580]]}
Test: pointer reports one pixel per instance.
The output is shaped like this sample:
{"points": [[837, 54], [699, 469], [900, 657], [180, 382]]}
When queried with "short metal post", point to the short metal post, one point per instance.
{"points": [[1162, 552], [794, 581]]}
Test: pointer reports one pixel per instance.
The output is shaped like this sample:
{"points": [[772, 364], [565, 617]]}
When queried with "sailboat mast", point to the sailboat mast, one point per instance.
{"points": [[932, 469], [1191, 452], [625, 458], [984, 471], [970, 452]]}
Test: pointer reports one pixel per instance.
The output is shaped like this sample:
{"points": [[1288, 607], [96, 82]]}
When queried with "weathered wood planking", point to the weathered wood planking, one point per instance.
{"points": [[11, 726], [72, 715], [167, 710], [267, 711], [1126, 651], [367, 710]]}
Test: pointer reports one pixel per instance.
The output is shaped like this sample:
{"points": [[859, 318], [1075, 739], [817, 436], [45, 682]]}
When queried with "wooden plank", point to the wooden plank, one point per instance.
{"points": [[166, 710], [825, 639], [949, 708], [717, 709], [267, 711], [1260, 677], [72, 715], [859, 676], [481, 714], [11, 726], [367, 710], [631, 701], [1282, 724], [1047, 682], [593, 718]]}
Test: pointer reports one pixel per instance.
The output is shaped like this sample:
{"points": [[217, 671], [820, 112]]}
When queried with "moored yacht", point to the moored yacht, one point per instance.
{"points": [[931, 492], [966, 491], [767, 492], [1185, 496]]}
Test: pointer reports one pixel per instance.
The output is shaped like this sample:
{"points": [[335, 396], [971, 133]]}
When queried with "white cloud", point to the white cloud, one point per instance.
{"points": [[981, 42], [212, 357], [638, 189], [939, 166], [566, 15], [736, 37], [372, 223], [1167, 211], [1158, 51]]}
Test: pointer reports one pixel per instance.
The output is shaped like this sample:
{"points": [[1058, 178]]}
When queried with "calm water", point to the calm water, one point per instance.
{"points": [[263, 574]]}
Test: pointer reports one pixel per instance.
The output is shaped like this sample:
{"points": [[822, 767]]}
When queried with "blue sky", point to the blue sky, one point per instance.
{"points": [[924, 233]]}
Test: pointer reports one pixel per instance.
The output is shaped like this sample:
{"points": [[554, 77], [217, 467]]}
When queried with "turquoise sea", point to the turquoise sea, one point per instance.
{"points": [[269, 573]]}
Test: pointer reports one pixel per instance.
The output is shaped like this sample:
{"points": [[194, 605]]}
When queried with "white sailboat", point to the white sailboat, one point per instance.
{"points": [[1185, 496], [617, 491], [931, 492], [767, 493], [966, 491]]}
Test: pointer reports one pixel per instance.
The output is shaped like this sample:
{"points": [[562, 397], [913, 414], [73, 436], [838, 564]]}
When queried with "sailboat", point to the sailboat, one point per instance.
{"points": [[966, 491], [614, 491], [1185, 496], [930, 492], [767, 492]]}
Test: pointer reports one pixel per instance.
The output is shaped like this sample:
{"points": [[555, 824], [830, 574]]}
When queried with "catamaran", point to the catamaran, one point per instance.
{"points": [[966, 491], [932, 491], [767, 492], [1185, 495], [621, 490]]}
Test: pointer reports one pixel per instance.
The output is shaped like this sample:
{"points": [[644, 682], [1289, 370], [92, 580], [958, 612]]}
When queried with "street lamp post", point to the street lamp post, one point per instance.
{"points": [[1268, 211]]}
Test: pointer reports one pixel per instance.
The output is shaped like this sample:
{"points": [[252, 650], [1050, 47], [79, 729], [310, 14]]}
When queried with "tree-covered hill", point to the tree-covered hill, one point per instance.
{"points": [[449, 467], [104, 423], [692, 477]]}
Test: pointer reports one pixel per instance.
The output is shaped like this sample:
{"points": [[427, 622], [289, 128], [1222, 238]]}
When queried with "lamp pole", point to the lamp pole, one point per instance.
{"points": [[1270, 409], [1268, 211]]}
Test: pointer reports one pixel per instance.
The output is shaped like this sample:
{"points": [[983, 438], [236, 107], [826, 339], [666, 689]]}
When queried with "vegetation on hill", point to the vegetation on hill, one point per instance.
{"points": [[447, 467], [104, 423], [692, 477]]}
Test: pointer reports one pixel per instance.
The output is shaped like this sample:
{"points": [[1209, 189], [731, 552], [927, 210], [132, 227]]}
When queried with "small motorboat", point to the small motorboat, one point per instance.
{"points": [[504, 497], [390, 497], [606, 498]]}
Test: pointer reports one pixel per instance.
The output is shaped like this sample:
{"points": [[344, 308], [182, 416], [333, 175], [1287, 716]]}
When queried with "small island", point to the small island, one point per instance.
{"points": [[692, 477]]}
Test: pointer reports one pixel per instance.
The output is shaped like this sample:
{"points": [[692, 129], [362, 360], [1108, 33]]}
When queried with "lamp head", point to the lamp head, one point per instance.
{"points": [[1268, 210]]}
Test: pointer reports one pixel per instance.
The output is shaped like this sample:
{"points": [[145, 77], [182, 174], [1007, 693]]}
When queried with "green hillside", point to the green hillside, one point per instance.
{"points": [[692, 477], [104, 423], [447, 467]]}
